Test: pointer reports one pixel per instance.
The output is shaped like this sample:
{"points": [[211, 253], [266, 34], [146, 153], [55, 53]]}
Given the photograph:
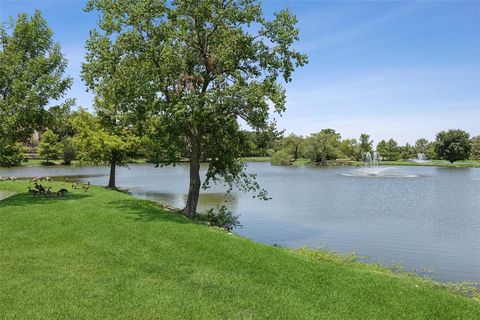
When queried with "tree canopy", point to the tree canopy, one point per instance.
{"points": [[96, 145], [32, 71], [204, 65], [453, 145], [388, 150], [322, 146], [50, 148]]}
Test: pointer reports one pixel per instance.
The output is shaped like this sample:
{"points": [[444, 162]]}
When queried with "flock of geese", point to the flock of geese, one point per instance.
{"points": [[41, 190]]}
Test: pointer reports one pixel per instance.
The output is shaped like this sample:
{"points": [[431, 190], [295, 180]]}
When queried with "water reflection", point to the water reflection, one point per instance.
{"points": [[205, 202]]}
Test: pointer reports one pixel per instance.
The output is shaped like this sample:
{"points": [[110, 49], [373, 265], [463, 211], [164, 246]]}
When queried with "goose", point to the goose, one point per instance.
{"points": [[86, 186], [49, 192], [32, 192], [61, 192]]}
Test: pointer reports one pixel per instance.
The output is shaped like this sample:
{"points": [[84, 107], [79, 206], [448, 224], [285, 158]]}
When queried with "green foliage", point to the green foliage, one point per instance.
{"points": [[95, 145], [282, 157], [453, 145], [194, 68], [31, 75], [220, 217], [351, 149], [475, 154], [261, 142], [366, 145], [407, 152], [388, 150], [68, 150], [422, 145], [10, 154], [322, 146], [50, 148], [293, 144], [58, 119]]}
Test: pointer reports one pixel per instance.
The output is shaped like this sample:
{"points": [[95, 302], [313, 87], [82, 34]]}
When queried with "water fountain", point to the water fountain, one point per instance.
{"points": [[373, 169], [420, 158], [371, 158]]}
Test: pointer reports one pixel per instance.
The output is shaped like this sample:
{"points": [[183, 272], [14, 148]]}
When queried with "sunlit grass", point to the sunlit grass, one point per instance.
{"points": [[106, 255]]}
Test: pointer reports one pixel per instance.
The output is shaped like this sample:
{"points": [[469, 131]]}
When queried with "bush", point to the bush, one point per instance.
{"points": [[11, 155], [282, 158], [221, 217]]}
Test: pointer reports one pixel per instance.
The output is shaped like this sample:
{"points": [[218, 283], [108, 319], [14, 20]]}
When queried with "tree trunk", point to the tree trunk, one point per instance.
{"points": [[194, 188], [111, 180]]}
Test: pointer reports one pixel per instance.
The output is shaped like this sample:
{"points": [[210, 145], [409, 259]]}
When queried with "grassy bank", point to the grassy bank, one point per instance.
{"points": [[106, 255]]}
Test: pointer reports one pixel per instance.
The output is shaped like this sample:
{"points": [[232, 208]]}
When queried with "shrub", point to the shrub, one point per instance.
{"points": [[11, 155], [221, 217], [282, 157]]}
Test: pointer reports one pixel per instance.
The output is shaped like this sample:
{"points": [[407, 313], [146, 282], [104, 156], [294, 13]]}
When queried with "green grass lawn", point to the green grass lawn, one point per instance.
{"points": [[106, 255]]}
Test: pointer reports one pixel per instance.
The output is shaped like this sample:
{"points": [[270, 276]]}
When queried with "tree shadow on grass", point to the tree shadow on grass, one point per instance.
{"points": [[23, 199], [146, 210]]}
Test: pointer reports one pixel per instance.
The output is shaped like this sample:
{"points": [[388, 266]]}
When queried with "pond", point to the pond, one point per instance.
{"points": [[424, 218]]}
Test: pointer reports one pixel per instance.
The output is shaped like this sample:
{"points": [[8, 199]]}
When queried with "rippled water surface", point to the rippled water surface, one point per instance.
{"points": [[420, 217]]}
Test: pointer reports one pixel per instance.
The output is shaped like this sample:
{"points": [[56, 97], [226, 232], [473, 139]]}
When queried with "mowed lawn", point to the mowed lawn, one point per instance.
{"points": [[106, 255]]}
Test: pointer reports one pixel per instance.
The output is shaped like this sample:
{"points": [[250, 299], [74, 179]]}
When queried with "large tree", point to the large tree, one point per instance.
{"points": [[422, 145], [322, 146], [352, 149], [388, 150], [453, 145], [293, 144], [205, 65], [31, 76], [366, 145], [97, 145], [50, 147]]}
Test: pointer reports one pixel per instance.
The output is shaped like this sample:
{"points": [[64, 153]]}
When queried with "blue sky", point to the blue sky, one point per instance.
{"points": [[393, 69]]}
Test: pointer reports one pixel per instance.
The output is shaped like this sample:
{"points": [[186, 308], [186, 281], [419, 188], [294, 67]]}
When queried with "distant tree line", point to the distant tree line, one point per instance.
{"points": [[327, 145]]}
